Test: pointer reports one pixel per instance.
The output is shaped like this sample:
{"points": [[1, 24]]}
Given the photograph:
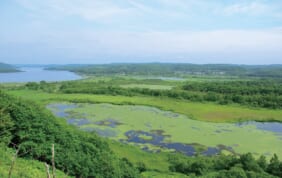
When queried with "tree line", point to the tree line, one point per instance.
{"points": [[175, 69], [256, 93], [243, 166]]}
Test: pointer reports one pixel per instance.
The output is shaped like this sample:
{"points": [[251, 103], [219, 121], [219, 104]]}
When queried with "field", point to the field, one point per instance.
{"points": [[195, 110], [154, 87]]}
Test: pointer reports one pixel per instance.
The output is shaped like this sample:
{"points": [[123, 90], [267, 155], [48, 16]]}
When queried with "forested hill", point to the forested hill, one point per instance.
{"points": [[5, 68], [175, 69], [32, 130]]}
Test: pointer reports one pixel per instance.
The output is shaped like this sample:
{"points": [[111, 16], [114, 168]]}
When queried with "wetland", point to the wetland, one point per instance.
{"points": [[156, 130]]}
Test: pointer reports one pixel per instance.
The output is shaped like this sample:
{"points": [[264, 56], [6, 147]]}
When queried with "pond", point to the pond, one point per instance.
{"points": [[154, 130], [37, 74]]}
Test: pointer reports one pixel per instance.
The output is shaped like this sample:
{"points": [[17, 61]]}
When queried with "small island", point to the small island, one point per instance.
{"points": [[7, 68]]}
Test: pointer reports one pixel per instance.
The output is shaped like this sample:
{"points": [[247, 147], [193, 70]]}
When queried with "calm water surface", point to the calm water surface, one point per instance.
{"points": [[36, 74]]}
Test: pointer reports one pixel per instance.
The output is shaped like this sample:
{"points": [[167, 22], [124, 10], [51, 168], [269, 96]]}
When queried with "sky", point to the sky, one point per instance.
{"points": [[135, 31]]}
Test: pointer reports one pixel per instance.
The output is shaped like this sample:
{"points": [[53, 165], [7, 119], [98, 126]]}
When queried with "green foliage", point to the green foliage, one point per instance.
{"points": [[232, 173], [254, 93], [275, 166], [79, 153], [239, 167], [168, 69], [257, 93], [6, 126], [23, 168]]}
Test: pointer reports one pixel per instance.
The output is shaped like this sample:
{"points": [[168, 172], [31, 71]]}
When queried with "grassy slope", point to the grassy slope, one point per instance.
{"points": [[200, 111], [23, 168]]}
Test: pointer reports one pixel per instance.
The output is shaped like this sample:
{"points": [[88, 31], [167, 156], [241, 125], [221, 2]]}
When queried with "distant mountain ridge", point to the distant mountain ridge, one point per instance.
{"points": [[7, 68], [175, 69]]}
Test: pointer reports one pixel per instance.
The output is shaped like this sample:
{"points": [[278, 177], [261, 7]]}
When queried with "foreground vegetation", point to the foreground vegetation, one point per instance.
{"points": [[33, 130], [23, 168]]}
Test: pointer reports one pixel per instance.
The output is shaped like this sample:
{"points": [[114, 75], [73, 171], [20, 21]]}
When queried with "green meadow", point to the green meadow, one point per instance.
{"points": [[153, 87], [210, 112]]}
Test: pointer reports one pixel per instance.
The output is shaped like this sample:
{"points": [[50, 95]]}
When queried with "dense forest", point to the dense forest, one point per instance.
{"points": [[5, 68], [173, 69]]}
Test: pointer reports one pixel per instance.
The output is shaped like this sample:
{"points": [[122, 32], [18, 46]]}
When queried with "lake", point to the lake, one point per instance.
{"points": [[36, 74]]}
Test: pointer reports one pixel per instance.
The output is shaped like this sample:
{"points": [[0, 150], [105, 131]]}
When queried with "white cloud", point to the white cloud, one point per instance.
{"points": [[87, 9], [253, 8]]}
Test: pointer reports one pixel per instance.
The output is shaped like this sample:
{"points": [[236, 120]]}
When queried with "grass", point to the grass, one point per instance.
{"points": [[147, 86], [156, 164], [199, 111], [158, 161], [155, 174], [23, 168]]}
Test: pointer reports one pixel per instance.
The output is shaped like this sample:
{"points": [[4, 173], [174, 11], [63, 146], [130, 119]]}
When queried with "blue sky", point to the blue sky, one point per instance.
{"points": [[106, 31]]}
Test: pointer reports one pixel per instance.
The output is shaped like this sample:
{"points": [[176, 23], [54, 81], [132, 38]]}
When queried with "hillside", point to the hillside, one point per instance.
{"points": [[23, 167], [175, 69], [33, 130], [6, 68]]}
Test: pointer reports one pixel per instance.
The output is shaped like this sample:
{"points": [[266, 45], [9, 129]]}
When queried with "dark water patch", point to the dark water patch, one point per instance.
{"points": [[81, 122], [180, 147], [71, 121], [211, 151], [134, 136], [60, 109], [78, 122], [108, 122], [157, 139], [275, 127]]}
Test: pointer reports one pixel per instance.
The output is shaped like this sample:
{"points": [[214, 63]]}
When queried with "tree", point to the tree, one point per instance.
{"points": [[6, 126], [274, 166]]}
